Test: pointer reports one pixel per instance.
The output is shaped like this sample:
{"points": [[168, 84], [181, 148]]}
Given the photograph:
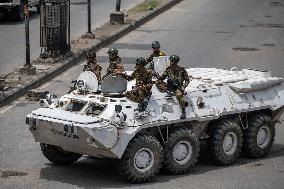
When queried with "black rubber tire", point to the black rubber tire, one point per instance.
{"points": [[18, 13], [58, 156], [250, 145], [218, 132], [170, 164], [127, 166]]}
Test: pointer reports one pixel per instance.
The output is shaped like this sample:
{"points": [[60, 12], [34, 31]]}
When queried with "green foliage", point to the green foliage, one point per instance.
{"points": [[147, 5]]}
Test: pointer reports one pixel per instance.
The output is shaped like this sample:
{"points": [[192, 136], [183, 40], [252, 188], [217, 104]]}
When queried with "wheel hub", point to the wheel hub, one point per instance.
{"points": [[144, 159], [263, 137], [182, 152], [230, 143]]}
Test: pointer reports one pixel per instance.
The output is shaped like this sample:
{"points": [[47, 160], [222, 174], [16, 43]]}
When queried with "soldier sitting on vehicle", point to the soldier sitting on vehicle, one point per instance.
{"points": [[92, 64], [156, 53], [142, 89], [115, 67], [177, 81]]}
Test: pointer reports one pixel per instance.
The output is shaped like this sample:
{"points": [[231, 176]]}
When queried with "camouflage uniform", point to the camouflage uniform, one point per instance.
{"points": [[143, 86], [142, 89], [156, 53], [177, 81], [92, 65], [96, 69], [115, 66]]}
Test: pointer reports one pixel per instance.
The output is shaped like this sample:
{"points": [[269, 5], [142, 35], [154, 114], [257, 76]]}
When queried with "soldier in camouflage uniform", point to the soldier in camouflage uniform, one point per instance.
{"points": [[142, 89], [156, 53], [177, 81], [115, 66], [92, 64]]}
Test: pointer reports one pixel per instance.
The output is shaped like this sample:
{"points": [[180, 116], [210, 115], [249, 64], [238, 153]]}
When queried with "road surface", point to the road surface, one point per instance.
{"points": [[204, 33]]}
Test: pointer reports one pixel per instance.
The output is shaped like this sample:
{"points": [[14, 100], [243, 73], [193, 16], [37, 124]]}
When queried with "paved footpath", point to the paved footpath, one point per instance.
{"points": [[205, 33]]}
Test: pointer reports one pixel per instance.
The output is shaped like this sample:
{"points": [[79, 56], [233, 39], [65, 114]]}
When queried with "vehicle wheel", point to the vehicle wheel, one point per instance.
{"points": [[18, 12], [58, 156], [181, 151], [225, 142], [142, 159], [259, 136]]}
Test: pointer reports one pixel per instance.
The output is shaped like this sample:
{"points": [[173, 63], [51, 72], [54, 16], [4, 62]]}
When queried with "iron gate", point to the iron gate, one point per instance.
{"points": [[54, 28]]}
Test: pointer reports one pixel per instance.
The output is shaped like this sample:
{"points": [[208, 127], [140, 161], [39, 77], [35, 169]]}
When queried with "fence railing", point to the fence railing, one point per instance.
{"points": [[54, 28]]}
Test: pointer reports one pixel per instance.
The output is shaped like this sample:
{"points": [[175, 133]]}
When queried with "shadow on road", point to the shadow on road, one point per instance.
{"points": [[8, 20], [102, 173]]}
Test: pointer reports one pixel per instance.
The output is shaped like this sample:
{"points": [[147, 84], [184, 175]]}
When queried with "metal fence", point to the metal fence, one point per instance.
{"points": [[54, 27]]}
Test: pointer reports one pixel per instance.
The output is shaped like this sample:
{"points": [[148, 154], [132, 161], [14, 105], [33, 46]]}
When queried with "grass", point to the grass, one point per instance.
{"points": [[147, 5]]}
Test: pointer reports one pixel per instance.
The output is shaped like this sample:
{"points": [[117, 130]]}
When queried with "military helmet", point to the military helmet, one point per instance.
{"points": [[140, 61], [155, 44], [91, 54], [113, 52], [174, 58]]}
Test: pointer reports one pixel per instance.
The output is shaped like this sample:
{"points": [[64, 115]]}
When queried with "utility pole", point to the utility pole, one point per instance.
{"points": [[27, 32], [118, 5], [28, 68], [89, 34]]}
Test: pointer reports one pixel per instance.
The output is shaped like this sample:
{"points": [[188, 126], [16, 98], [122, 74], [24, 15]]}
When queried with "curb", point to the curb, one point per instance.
{"points": [[12, 95]]}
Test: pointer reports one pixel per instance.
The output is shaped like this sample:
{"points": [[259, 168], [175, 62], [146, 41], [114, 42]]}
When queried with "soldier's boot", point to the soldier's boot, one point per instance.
{"points": [[139, 108], [183, 113], [144, 105]]}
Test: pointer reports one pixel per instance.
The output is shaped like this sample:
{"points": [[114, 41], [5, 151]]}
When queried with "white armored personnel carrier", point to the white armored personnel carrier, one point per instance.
{"points": [[231, 110]]}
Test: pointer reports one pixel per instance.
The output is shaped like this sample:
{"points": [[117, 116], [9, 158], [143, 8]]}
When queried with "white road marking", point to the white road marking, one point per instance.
{"points": [[6, 108]]}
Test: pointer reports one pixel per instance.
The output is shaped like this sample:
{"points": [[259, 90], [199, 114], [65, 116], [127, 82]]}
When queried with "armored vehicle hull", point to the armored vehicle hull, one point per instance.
{"points": [[231, 110]]}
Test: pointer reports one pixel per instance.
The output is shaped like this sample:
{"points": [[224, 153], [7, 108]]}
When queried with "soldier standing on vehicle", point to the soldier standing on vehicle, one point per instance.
{"points": [[92, 64], [156, 53], [142, 89], [115, 67], [177, 81]]}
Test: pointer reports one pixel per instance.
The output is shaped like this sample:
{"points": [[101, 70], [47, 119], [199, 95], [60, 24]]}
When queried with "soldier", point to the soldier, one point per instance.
{"points": [[115, 66], [156, 53], [177, 81], [142, 89], [92, 64]]}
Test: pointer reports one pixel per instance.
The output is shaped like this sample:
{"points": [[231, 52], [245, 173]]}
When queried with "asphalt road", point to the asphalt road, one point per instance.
{"points": [[12, 34], [205, 33]]}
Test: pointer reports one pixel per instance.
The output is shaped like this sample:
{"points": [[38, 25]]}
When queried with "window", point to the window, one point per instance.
{"points": [[75, 106], [95, 109]]}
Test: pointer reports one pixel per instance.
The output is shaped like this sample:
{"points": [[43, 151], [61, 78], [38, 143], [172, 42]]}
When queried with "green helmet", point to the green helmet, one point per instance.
{"points": [[174, 58], [140, 61], [155, 44], [90, 54], [112, 52]]}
